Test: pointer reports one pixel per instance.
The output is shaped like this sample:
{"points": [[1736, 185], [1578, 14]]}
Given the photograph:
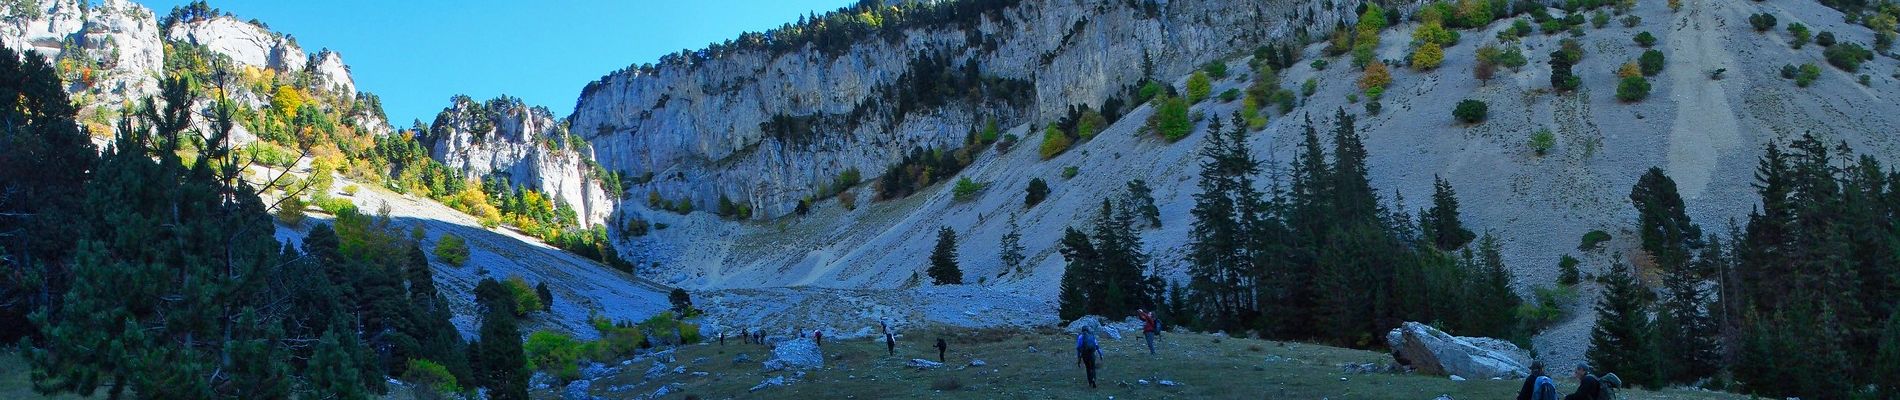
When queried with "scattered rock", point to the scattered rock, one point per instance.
{"points": [[701, 360], [1455, 378], [1165, 382], [1033, 349], [679, 370], [1435, 352], [597, 370], [742, 358], [1096, 324], [540, 381], [1443, 397], [978, 363], [920, 363], [1371, 368], [577, 390], [618, 389], [700, 373], [1143, 382], [774, 381], [667, 389], [656, 371]]}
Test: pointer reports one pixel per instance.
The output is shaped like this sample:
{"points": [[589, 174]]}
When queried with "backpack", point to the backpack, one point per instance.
{"points": [[1543, 389], [1610, 383]]}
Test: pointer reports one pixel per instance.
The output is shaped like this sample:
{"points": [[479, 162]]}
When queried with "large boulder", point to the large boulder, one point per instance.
{"points": [[800, 353], [1429, 350], [1101, 327]]}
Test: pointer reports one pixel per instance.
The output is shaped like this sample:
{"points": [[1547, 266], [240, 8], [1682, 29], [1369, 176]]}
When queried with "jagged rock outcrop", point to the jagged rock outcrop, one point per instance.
{"points": [[331, 72], [1431, 351], [244, 42], [117, 37], [505, 137], [696, 121]]}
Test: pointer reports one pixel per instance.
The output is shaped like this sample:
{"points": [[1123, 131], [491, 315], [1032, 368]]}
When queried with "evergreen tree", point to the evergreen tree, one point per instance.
{"points": [[1491, 303], [45, 162], [943, 259], [1440, 224], [1688, 333], [500, 364], [332, 369], [1623, 340], [1123, 265], [1012, 248], [547, 296], [1217, 264], [1887, 364], [1081, 269], [1139, 201], [1662, 218]]}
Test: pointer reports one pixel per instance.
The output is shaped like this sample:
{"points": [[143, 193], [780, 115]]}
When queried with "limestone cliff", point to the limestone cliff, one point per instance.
{"points": [[110, 50], [504, 137], [700, 121]]}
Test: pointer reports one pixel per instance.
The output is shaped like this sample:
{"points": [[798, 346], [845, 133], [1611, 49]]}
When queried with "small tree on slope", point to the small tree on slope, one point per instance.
{"points": [[943, 260]]}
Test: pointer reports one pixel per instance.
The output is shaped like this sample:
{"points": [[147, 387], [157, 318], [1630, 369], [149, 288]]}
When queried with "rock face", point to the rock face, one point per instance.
{"points": [[119, 37], [699, 119], [504, 137], [331, 72], [1431, 351], [245, 43], [798, 353]]}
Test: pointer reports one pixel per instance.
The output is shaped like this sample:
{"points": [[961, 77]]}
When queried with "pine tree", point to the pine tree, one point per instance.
{"points": [[1081, 270], [1687, 331], [332, 369], [45, 162], [500, 364], [1623, 340], [1440, 224], [1139, 201], [1215, 243], [1887, 364], [1491, 303], [1668, 235], [1012, 248], [943, 259]]}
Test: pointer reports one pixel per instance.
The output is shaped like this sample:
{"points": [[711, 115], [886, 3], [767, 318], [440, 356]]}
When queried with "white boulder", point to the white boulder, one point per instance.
{"points": [[1429, 350]]}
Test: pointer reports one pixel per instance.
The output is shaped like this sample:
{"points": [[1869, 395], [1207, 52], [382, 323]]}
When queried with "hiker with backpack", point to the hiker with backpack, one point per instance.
{"points": [[1591, 387], [941, 349], [1538, 386], [1149, 328], [1087, 352]]}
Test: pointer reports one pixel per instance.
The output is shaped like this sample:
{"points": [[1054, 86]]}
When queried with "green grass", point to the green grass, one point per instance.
{"points": [[1206, 368]]}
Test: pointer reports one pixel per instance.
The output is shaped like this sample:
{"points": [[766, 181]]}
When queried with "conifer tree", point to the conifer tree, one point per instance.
{"points": [[1012, 248], [500, 364], [1140, 202], [1623, 340], [332, 369], [1440, 224], [943, 259], [1887, 364], [45, 162], [1215, 241], [1081, 269], [1491, 303]]}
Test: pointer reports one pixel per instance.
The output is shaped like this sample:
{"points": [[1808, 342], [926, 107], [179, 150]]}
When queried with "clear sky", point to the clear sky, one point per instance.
{"points": [[415, 54]]}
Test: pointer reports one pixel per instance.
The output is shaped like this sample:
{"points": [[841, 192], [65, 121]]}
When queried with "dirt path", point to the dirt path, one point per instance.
{"points": [[1705, 125]]}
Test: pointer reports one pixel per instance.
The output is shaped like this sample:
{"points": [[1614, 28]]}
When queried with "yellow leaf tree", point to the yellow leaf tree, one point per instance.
{"points": [[1428, 56]]}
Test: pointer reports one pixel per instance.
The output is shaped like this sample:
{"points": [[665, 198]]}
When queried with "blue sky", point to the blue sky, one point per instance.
{"points": [[417, 53]]}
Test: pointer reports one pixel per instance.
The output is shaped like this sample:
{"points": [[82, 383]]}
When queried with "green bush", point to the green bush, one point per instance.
{"points": [[526, 299], [1825, 39], [451, 249], [1470, 111], [1170, 119], [1645, 39], [1630, 21], [1567, 272], [431, 375], [336, 206], [1847, 56], [1309, 87], [666, 329], [1807, 74], [1230, 95], [1037, 190], [1651, 62], [1798, 35], [1542, 141], [1632, 89], [1216, 69], [1054, 142], [1199, 87], [617, 340], [1070, 172], [966, 189], [1762, 22], [1318, 65], [554, 352], [1593, 239], [1548, 307]]}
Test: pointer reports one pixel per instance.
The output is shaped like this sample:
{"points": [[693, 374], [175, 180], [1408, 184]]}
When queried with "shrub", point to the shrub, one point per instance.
{"points": [[848, 199], [290, 211], [1198, 87], [1825, 39], [1054, 142], [1512, 58], [966, 189], [526, 300], [665, 328], [1866, 80], [1036, 192], [1318, 65], [1628, 69], [1548, 307], [1847, 56], [432, 375], [1149, 91], [1090, 124], [1797, 35], [1567, 272], [1008, 142], [1630, 21], [1593, 239], [1170, 119], [1216, 69], [1070, 172], [554, 352], [1807, 74], [451, 249], [1309, 87], [1375, 76], [1470, 111], [1632, 89], [1600, 19], [1427, 57], [1788, 71], [1572, 49], [1373, 107], [1542, 141], [1230, 95], [1762, 22], [1645, 39], [1652, 62]]}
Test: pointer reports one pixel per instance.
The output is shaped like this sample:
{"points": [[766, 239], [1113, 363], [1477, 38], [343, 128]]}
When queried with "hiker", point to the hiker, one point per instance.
{"points": [[1588, 388], [890, 343], [722, 338], [1149, 328], [941, 349], [1538, 386], [818, 337], [1086, 352]]}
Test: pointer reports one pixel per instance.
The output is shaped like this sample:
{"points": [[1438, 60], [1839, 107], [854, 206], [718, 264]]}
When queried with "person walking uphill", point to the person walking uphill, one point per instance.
{"points": [[1149, 328], [1087, 352], [941, 349]]}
